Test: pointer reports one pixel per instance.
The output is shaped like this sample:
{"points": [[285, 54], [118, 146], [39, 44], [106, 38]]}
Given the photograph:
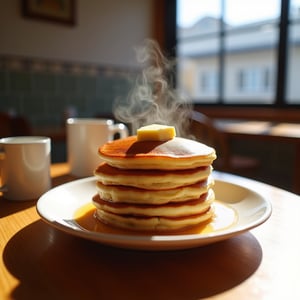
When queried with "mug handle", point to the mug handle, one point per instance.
{"points": [[121, 129], [2, 156]]}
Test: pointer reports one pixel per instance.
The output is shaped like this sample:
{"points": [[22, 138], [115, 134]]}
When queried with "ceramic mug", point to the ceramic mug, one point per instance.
{"points": [[84, 137], [25, 167]]}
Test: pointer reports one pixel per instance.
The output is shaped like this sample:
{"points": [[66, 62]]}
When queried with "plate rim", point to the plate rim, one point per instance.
{"points": [[152, 242]]}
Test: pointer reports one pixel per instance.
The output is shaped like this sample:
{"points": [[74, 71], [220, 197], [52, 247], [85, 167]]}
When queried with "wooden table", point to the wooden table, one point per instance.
{"points": [[287, 133], [40, 262]]}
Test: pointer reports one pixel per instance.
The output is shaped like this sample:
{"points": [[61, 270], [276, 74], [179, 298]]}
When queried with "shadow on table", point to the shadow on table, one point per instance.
{"points": [[54, 265], [62, 179], [8, 207]]}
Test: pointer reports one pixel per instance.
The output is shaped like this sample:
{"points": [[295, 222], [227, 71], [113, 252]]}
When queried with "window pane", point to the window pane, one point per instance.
{"points": [[247, 50], [198, 47], [189, 12], [295, 10], [293, 87], [254, 53], [197, 70], [243, 12], [250, 51]]}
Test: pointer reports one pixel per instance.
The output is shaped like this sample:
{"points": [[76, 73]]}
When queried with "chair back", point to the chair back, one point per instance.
{"points": [[5, 125], [14, 125], [205, 131]]}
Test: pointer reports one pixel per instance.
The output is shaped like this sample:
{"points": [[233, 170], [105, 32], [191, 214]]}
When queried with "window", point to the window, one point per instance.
{"points": [[209, 82], [254, 80], [239, 52], [293, 57]]}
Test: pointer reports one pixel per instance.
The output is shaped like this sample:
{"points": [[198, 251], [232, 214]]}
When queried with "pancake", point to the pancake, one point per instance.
{"points": [[171, 209], [157, 224], [175, 154], [154, 185], [126, 194], [150, 179]]}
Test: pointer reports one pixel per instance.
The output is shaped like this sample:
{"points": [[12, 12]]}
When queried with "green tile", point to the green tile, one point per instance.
{"points": [[44, 82], [86, 85], [6, 103], [55, 104], [44, 97], [3, 81], [11, 102], [78, 102], [34, 104], [47, 120], [20, 81], [66, 84]]}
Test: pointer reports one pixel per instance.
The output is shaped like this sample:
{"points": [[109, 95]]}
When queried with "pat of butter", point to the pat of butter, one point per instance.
{"points": [[156, 132]]}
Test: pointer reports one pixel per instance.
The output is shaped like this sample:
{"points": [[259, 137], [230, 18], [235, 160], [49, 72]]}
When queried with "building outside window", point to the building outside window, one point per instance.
{"points": [[293, 57], [254, 80], [231, 51], [209, 82]]}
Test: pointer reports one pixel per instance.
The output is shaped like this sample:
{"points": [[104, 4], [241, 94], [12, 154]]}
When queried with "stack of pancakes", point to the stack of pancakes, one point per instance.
{"points": [[154, 185]]}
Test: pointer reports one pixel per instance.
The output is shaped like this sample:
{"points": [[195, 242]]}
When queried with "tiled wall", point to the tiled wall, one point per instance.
{"points": [[42, 90]]}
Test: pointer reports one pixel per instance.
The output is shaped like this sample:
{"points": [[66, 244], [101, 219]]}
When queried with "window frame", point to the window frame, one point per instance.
{"points": [[281, 64]]}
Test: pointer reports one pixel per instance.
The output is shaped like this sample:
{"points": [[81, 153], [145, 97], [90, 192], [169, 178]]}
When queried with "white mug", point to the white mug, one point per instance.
{"points": [[84, 137], [25, 167]]}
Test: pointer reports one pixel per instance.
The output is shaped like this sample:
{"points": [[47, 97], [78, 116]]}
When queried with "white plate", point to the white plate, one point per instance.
{"points": [[58, 206]]}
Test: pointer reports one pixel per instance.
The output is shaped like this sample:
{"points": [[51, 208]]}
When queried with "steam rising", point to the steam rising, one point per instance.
{"points": [[152, 99]]}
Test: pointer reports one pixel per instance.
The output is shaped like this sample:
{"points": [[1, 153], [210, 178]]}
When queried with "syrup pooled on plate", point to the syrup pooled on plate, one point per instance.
{"points": [[224, 217]]}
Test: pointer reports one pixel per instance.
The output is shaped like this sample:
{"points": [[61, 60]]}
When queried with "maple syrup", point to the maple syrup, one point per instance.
{"points": [[225, 217]]}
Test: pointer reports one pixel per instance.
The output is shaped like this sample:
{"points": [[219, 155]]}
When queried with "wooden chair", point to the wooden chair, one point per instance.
{"points": [[204, 130], [5, 125], [14, 125], [21, 126]]}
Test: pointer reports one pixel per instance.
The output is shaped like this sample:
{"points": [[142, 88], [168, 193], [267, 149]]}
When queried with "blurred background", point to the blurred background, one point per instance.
{"points": [[235, 61]]}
